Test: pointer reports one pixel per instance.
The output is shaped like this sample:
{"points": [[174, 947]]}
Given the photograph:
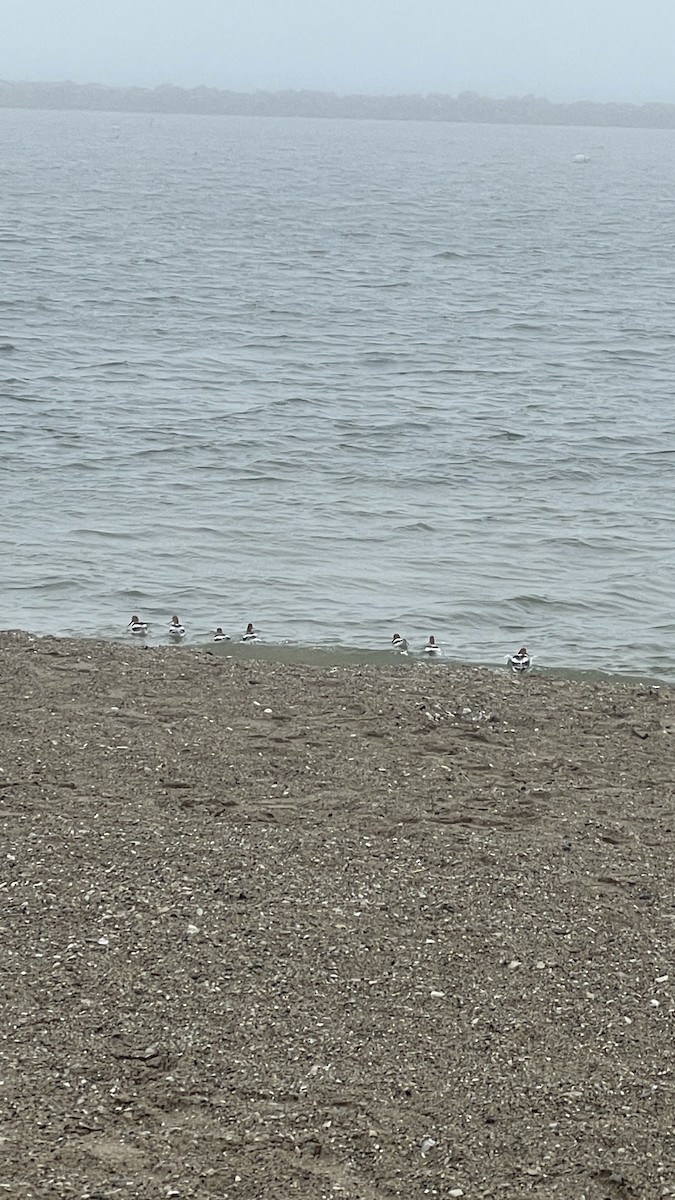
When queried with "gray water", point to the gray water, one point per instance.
{"points": [[340, 379]]}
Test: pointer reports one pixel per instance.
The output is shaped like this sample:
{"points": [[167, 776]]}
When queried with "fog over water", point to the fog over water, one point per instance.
{"points": [[576, 50]]}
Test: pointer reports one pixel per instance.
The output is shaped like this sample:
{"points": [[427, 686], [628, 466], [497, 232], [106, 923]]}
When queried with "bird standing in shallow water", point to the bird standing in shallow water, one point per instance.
{"points": [[521, 661], [399, 643], [219, 636], [251, 634], [139, 628], [175, 628], [431, 647]]}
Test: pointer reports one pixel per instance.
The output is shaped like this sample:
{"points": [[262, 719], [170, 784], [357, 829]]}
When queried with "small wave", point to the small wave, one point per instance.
{"points": [[374, 359], [531, 601], [110, 535], [509, 435], [383, 287], [97, 366], [152, 451], [57, 585]]}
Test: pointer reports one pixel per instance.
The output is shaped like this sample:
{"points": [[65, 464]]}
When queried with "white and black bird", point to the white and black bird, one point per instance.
{"points": [[521, 661]]}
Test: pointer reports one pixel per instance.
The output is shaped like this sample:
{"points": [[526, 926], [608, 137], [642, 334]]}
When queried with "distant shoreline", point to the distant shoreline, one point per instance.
{"points": [[465, 108]]}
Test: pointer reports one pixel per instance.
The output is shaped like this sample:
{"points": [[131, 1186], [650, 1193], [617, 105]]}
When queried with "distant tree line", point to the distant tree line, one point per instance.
{"points": [[466, 107]]}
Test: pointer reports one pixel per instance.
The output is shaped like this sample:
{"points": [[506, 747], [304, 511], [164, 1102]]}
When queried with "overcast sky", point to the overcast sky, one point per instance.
{"points": [[563, 49]]}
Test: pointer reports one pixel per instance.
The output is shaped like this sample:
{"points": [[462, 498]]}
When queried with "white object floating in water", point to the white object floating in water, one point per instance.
{"points": [[581, 158]]}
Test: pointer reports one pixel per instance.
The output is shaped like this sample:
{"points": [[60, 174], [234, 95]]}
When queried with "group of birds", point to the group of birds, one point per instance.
{"points": [[519, 662], [177, 630]]}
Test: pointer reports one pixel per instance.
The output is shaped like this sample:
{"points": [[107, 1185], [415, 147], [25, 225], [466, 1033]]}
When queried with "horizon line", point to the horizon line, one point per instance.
{"points": [[463, 93]]}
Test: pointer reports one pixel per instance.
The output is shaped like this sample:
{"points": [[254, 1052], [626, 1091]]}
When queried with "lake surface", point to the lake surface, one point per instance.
{"points": [[340, 379]]}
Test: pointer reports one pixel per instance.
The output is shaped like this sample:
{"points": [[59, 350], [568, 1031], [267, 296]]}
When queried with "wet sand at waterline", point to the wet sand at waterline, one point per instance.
{"points": [[360, 932]]}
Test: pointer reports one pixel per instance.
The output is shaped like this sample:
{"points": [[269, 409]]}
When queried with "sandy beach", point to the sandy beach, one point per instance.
{"points": [[361, 932]]}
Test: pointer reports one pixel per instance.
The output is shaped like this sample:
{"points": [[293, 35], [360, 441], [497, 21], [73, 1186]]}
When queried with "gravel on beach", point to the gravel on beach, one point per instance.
{"points": [[273, 929]]}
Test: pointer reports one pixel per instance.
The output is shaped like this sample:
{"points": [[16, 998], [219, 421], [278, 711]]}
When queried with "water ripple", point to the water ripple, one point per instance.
{"points": [[358, 377]]}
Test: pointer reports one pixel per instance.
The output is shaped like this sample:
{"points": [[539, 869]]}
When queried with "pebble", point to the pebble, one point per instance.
{"points": [[193, 929]]}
